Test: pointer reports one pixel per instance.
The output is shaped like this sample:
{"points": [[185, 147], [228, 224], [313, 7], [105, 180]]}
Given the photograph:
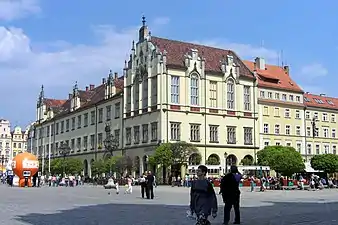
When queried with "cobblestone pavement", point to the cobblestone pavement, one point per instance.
{"points": [[88, 205]]}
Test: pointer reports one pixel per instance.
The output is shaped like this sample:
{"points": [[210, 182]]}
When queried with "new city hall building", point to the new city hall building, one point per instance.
{"points": [[176, 91]]}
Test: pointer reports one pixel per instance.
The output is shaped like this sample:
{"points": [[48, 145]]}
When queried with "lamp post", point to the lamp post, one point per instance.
{"points": [[111, 144], [64, 150]]}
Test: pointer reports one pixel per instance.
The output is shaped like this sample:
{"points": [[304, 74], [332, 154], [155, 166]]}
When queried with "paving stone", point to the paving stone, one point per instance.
{"points": [[90, 205]]}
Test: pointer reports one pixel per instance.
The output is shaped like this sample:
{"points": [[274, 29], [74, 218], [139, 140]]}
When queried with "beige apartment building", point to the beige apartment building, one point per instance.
{"points": [[170, 91]]}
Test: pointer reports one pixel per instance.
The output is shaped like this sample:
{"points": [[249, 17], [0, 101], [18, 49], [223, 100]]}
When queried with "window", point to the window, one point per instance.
{"points": [[48, 131], [92, 117], [85, 142], [175, 131], [128, 136], [136, 95], [309, 149], [100, 140], [307, 115], [298, 130], [108, 112], [277, 129], [284, 97], [306, 99], [262, 94], [299, 147], [92, 141], [213, 94], [230, 94], [175, 89], [297, 115], [276, 112], [231, 135], [194, 90], [128, 96], [72, 144], [100, 115], [288, 144], [317, 132], [78, 144], [266, 110], [326, 149], [297, 98], [117, 135], [154, 131], [213, 133], [247, 135], [73, 123], [287, 113], [52, 130], [85, 120], [266, 143], [277, 96], [287, 129], [269, 94], [154, 90], [145, 93], [334, 149], [62, 127], [324, 117], [333, 133], [330, 102], [277, 143], [67, 125], [57, 128], [136, 134], [326, 132], [247, 98], [117, 110], [317, 149], [315, 115], [79, 120], [266, 128], [145, 133], [333, 118], [291, 98], [194, 132]]}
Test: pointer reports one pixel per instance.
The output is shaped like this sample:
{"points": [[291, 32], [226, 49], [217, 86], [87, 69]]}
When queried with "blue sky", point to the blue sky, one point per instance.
{"points": [[56, 43]]}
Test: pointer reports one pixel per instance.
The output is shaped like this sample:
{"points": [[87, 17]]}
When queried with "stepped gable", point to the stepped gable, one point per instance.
{"points": [[320, 101], [274, 76], [213, 56]]}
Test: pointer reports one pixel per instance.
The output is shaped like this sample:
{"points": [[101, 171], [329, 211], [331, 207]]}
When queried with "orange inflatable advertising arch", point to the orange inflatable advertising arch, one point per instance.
{"points": [[25, 165]]}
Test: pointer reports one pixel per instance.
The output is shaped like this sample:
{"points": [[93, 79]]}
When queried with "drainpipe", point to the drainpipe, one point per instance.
{"points": [[205, 120], [95, 138], [305, 136], [254, 125]]}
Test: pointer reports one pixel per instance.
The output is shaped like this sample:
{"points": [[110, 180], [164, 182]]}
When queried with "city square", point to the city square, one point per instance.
{"points": [[93, 205]]}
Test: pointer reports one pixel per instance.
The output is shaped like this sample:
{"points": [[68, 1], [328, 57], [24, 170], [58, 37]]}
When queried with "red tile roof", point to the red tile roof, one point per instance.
{"points": [[213, 56], [319, 101], [274, 77]]}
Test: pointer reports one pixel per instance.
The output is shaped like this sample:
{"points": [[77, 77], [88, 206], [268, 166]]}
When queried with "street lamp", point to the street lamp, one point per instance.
{"points": [[64, 150], [111, 143]]}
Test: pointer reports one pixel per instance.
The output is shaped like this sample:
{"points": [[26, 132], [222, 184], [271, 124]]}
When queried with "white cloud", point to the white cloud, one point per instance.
{"points": [[314, 70], [161, 21], [15, 9], [245, 51]]}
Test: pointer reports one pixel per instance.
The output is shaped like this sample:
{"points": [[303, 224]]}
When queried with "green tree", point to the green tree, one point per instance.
{"points": [[163, 155], [182, 151], [284, 160], [56, 166], [326, 162], [122, 164], [246, 161], [73, 166], [213, 160], [99, 167]]}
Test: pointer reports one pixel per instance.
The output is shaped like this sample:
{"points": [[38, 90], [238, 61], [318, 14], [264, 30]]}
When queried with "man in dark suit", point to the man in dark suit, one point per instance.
{"points": [[150, 185], [231, 194]]}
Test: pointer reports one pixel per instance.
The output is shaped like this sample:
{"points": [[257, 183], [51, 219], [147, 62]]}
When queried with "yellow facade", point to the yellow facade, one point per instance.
{"points": [[19, 141]]}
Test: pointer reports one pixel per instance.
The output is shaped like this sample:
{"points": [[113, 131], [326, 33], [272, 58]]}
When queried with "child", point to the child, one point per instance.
{"points": [[203, 201]]}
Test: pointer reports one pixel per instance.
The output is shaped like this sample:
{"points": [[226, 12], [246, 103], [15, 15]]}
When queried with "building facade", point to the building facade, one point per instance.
{"points": [[5, 142], [19, 140]]}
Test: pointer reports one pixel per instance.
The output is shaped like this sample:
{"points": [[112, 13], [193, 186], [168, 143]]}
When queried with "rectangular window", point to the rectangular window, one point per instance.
{"points": [[269, 94], [154, 90], [287, 113], [326, 149], [145, 93], [136, 96], [247, 98], [247, 135], [72, 144], [266, 128], [62, 126], [284, 97], [326, 132], [194, 132], [213, 94], [291, 98], [333, 135], [308, 131], [67, 125], [128, 136], [213, 133], [136, 134], [145, 136], [287, 129], [299, 147], [117, 110], [334, 149], [265, 110], [175, 131], [57, 128], [231, 135], [277, 96], [333, 118], [73, 123], [325, 117], [262, 94], [92, 117], [85, 120], [276, 112], [117, 135], [298, 130], [175, 89], [108, 112], [297, 115], [230, 94], [277, 129], [309, 149], [307, 115], [297, 98], [100, 140], [154, 131], [79, 120], [100, 115], [85, 142], [92, 141], [194, 90], [78, 144], [317, 149]]}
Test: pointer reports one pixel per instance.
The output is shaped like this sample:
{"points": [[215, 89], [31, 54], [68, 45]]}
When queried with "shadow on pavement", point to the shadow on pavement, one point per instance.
{"points": [[276, 213]]}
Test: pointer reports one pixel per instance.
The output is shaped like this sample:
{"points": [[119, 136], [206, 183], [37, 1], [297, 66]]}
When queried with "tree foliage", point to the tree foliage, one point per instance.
{"points": [[325, 162], [163, 155], [284, 160], [72, 166], [213, 160], [246, 161], [122, 164]]}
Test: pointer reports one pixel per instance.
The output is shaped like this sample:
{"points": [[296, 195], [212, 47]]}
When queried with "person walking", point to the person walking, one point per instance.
{"points": [[150, 185], [231, 194], [130, 186], [143, 184]]}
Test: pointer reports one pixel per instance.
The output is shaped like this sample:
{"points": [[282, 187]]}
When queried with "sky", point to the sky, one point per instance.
{"points": [[56, 43]]}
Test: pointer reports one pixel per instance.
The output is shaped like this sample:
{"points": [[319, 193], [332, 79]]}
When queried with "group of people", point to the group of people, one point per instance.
{"points": [[147, 183], [203, 200]]}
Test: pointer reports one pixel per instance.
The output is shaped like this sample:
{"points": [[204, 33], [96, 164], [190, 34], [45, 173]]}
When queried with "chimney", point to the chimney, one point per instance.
{"points": [[322, 94], [103, 80], [91, 87], [260, 63], [286, 69], [87, 88], [115, 75]]}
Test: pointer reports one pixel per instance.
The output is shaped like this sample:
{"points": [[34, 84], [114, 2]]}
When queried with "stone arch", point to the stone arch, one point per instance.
{"points": [[85, 168], [145, 163], [195, 159], [137, 165], [213, 159], [231, 160], [248, 160]]}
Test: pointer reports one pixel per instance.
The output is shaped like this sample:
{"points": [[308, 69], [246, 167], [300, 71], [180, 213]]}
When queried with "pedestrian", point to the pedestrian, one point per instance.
{"points": [[203, 200], [150, 186], [129, 190], [231, 194], [117, 187], [143, 184]]}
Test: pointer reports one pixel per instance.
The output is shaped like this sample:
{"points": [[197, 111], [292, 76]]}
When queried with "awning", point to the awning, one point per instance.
{"points": [[309, 169]]}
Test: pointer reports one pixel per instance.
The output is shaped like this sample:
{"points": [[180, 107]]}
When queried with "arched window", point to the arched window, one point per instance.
{"points": [[230, 94], [194, 89]]}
